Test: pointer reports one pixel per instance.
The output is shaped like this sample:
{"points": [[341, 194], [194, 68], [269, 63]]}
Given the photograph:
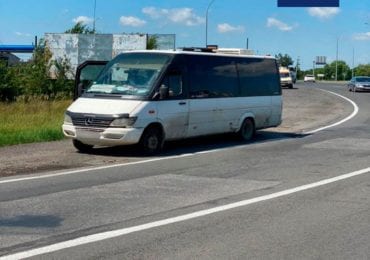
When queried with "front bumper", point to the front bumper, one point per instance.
{"points": [[286, 83], [362, 88], [103, 136]]}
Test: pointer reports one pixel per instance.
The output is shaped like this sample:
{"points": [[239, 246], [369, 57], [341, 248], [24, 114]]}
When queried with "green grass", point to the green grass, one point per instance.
{"points": [[28, 122]]}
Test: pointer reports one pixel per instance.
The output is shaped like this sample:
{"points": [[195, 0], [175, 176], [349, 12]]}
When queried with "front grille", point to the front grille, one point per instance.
{"points": [[88, 121], [90, 129]]}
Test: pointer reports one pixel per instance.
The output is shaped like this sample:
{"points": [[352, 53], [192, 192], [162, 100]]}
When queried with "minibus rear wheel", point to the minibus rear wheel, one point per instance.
{"points": [[151, 141], [81, 147], [247, 130]]}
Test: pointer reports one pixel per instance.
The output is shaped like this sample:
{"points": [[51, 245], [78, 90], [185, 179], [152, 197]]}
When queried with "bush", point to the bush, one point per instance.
{"points": [[40, 76]]}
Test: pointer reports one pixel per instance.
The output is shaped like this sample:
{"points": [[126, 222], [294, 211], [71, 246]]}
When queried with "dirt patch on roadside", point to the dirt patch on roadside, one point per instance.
{"points": [[304, 109], [308, 108]]}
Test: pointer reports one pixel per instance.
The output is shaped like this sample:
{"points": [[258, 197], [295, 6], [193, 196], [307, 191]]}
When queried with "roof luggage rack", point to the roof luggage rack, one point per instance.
{"points": [[209, 48], [215, 49]]}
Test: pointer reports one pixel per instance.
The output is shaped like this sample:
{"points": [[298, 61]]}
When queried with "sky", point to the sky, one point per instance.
{"points": [[302, 33]]}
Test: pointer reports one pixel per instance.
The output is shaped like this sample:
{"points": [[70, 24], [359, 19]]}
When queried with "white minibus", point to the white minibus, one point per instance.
{"points": [[149, 97]]}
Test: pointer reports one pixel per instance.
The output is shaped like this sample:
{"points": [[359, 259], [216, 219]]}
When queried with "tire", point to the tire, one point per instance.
{"points": [[151, 141], [81, 147], [290, 86], [247, 130]]}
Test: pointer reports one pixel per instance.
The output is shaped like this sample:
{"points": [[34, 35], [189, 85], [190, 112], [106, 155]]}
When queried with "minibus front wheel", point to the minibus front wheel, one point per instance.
{"points": [[151, 141], [247, 130], [81, 147]]}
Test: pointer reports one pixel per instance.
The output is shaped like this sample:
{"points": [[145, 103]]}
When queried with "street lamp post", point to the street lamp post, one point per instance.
{"points": [[336, 62], [209, 5], [94, 16]]}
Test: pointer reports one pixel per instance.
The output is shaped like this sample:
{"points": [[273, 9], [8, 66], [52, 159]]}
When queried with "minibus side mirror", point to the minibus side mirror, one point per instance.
{"points": [[80, 89], [163, 92]]}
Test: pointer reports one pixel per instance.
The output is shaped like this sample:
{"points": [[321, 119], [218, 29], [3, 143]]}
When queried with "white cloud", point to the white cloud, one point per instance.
{"points": [[64, 11], [226, 28], [184, 15], [22, 34], [83, 20], [154, 12], [131, 21], [272, 22], [323, 12], [362, 36]]}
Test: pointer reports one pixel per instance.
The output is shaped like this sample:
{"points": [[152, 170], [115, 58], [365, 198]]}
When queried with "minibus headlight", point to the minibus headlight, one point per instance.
{"points": [[67, 119], [123, 122]]}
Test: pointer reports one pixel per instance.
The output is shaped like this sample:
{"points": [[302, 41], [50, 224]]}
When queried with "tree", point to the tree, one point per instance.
{"points": [[362, 70], [284, 60], [7, 92], [152, 43], [343, 70], [80, 28], [35, 77]]}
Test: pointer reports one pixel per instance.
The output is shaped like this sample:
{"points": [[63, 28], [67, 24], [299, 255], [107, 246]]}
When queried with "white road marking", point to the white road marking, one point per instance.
{"points": [[355, 111], [353, 114], [55, 174], [124, 231]]}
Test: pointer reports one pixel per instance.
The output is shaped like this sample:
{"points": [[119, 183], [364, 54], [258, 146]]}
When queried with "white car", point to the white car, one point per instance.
{"points": [[309, 78]]}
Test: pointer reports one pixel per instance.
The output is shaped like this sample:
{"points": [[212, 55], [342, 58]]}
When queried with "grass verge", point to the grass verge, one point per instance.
{"points": [[28, 122]]}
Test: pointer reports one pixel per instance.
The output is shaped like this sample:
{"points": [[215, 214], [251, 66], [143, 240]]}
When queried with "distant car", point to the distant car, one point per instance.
{"points": [[359, 83], [309, 78], [285, 77]]}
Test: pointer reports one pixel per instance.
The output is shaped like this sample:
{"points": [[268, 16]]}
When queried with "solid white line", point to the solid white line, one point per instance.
{"points": [[55, 174], [124, 231], [353, 114]]}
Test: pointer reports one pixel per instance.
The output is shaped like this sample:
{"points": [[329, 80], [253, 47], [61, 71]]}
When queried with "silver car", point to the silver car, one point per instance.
{"points": [[359, 83]]}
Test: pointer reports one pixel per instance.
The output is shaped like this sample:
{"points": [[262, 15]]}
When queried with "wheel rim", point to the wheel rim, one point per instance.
{"points": [[152, 142], [247, 130]]}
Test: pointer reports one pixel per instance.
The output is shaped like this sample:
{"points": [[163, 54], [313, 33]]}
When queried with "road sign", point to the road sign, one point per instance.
{"points": [[320, 60]]}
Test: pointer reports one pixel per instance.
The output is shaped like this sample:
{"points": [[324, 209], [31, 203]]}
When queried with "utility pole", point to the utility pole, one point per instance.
{"points": [[313, 69], [297, 67], [353, 62]]}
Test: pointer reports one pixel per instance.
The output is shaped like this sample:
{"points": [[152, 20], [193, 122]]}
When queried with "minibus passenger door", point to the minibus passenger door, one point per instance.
{"points": [[86, 73], [173, 107]]}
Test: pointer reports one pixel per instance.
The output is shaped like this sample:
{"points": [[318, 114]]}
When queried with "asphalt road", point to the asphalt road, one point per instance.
{"points": [[223, 201]]}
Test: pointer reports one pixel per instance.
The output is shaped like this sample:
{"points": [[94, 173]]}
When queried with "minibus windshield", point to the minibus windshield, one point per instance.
{"points": [[130, 74]]}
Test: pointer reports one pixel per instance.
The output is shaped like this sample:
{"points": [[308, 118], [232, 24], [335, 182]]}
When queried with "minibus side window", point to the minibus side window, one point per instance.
{"points": [[173, 85], [213, 77], [258, 77]]}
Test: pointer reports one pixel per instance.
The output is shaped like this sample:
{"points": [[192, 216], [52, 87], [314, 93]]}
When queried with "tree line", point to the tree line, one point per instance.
{"points": [[339, 70]]}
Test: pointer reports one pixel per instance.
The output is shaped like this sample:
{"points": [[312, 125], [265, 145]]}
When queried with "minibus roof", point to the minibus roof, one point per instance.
{"points": [[196, 52]]}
